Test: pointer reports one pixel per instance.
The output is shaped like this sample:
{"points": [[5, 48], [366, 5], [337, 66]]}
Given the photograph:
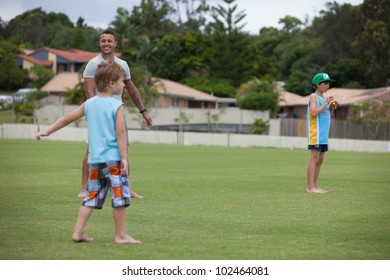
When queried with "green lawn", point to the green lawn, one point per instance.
{"points": [[202, 203], [6, 116]]}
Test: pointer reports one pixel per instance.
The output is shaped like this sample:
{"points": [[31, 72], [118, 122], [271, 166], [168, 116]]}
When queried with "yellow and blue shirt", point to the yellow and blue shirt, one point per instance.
{"points": [[318, 127]]}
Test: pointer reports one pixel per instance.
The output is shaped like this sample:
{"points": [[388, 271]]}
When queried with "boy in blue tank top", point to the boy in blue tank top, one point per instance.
{"points": [[318, 126], [107, 158]]}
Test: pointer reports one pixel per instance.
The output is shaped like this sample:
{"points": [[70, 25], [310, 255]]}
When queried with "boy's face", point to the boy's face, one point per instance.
{"points": [[118, 86], [324, 86], [107, 43]]}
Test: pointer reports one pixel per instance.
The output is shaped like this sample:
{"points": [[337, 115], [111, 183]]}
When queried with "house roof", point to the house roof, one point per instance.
{"points": [[286, 98], [171, 88], [62, 82], [342, 95], [72, 55], [35, 61]]}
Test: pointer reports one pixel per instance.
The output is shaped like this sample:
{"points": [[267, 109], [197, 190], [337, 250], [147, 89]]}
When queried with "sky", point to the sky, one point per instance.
{"points": [[99, 13]]}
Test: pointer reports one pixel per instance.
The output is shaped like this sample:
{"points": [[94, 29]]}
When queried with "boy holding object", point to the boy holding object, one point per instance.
{"points": [[107, 159], [318, 126]]}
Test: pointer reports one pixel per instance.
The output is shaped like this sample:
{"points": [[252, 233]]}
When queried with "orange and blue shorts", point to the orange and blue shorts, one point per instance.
{"points": [[104, 177]]}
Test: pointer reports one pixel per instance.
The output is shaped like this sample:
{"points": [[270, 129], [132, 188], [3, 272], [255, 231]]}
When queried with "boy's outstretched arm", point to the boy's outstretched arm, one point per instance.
{"points": [[122, 138], [62, 122]]}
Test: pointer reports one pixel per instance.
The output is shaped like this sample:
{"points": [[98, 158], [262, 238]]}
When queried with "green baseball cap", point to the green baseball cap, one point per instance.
{"points": [[321, 77]]}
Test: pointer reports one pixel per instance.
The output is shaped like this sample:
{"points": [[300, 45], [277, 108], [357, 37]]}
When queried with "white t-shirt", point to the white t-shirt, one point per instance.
{"points": [[90, 69]]}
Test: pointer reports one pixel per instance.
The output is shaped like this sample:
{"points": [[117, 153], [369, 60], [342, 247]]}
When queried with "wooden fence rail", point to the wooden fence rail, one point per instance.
{"points": [[340, 129]]}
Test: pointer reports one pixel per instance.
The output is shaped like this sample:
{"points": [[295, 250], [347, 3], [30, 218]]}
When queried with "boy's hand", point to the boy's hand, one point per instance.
{"points": [[41, 134], [124, 166], [329, 99]]}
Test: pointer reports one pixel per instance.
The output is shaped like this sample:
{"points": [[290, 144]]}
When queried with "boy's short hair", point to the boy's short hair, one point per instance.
{"points": [[108, 31], [107, 72]]}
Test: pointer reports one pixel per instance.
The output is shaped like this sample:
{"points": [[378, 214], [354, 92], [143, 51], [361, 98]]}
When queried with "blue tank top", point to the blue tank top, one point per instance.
{"points": [[101, 118]]}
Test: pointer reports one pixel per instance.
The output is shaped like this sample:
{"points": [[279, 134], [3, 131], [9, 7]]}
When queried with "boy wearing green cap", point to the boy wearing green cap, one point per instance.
{"points": [[318, 125]]}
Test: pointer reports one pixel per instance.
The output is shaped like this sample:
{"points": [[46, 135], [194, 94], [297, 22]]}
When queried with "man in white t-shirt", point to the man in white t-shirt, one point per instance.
{"points": [[107, 45]]}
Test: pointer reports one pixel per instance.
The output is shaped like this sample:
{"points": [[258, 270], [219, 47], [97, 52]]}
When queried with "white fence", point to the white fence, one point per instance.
{"points": [[162, 116], [28, 131]]}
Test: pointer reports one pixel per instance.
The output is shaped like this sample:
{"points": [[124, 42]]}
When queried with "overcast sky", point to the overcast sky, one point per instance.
{"points": [[99, 13]]}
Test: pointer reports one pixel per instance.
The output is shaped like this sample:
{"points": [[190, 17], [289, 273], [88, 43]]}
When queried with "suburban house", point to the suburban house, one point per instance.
{"points": [[179, 106], [56, 60], [171, 94], [66, 66]]}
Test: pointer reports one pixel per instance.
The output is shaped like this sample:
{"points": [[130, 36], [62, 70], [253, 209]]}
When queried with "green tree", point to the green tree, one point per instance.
{"points": [[292, 45], [374, 114], [331, 35], [37, 27], [42, 75], [260, 101], [145, 84], [11, 76], [190, 14], [372, 44], [24, 109], [260, 127], [226, 20], [143, 50], [267, 41], [152, 17], [167, 59], [76, 95], [232, 54], [336, 28], [258, 95], [217, 87], [78, 34], [254, 85], [126, 31]]}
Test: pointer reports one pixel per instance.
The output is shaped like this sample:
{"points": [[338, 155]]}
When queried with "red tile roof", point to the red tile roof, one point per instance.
{"points": [[72, 55], [34, 60]]}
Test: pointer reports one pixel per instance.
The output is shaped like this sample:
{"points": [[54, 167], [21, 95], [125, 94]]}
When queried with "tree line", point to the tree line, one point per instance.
{"points": [[205, 47]]}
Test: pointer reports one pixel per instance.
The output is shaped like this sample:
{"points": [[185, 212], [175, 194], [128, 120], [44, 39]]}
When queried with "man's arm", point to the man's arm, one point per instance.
{"points": [[89, 85], [136, 97]]}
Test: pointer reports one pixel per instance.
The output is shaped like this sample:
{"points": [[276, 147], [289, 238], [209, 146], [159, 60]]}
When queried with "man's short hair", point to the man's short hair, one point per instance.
{"points": [[108, 31]]}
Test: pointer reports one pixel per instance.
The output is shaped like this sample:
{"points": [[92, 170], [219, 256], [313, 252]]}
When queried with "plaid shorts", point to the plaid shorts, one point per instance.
{"points": [[104, 177]]}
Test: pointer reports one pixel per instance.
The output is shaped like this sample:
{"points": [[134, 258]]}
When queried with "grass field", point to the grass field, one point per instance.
{"points": [[202, 203]]}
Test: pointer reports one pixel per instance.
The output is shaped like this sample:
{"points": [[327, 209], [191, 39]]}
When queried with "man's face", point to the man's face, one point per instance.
{"points": [[107, 43]]}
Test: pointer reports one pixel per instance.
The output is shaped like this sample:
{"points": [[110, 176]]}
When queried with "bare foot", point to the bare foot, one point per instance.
{"points": [[82, 238], [322, 190], [135, 195], [313, 190], [127, 239]]}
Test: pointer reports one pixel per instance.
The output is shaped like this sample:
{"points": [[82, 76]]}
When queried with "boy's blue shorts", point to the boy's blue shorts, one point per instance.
{"points": [[321, 147], [104, 177]]}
